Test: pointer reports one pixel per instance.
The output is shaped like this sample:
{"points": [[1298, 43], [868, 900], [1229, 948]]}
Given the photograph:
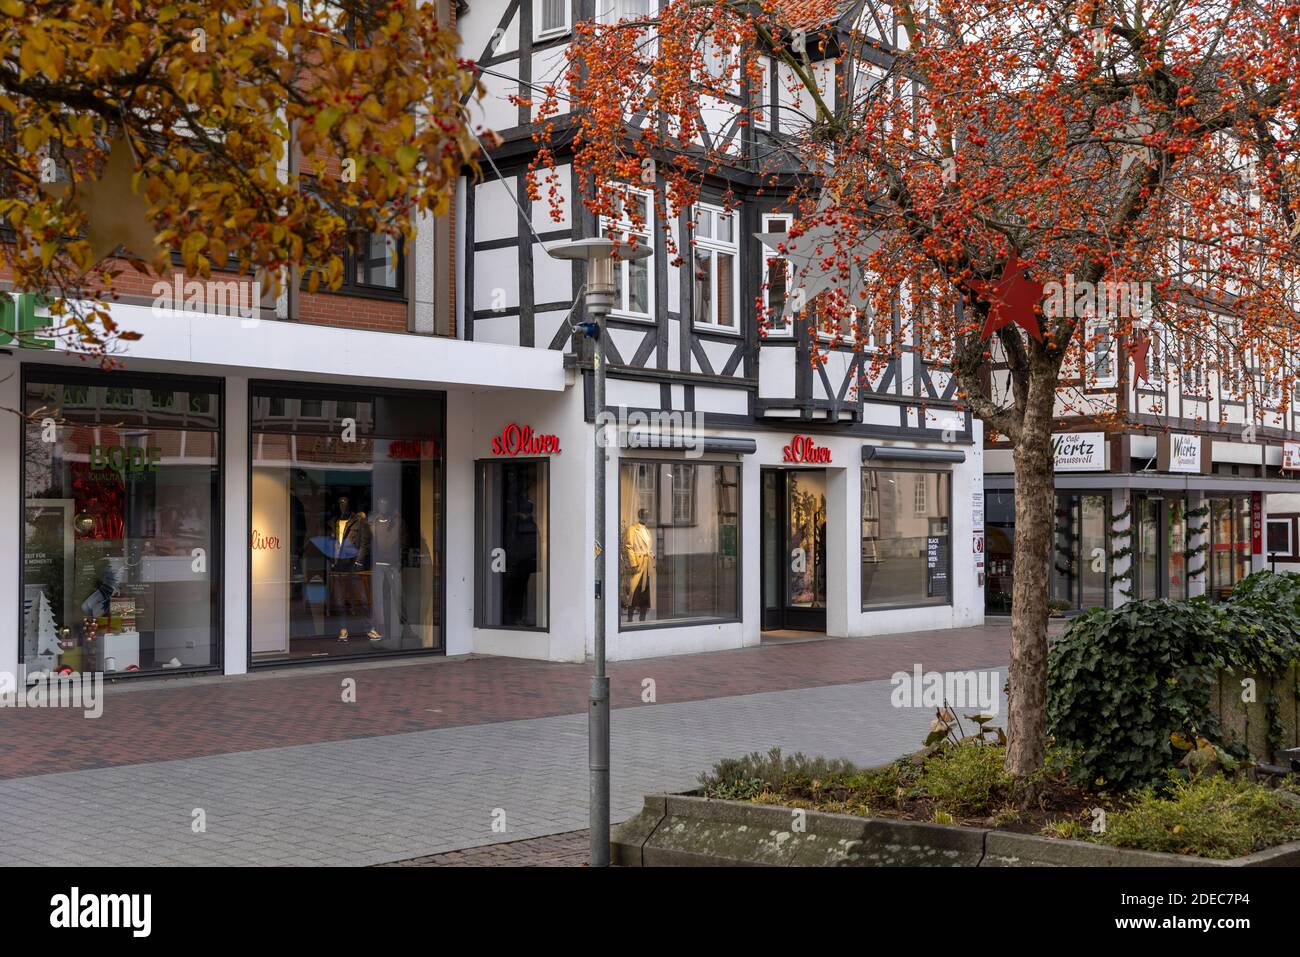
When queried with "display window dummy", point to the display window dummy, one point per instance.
{"points": [[345, 531]]}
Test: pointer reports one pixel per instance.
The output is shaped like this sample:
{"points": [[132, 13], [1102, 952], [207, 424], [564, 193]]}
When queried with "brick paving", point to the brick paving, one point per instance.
{"points": [[179, 719], [378, 799]]}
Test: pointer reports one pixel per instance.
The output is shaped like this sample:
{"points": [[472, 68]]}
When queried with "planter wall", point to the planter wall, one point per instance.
{"points": [[1250, 724], [684, 831]]}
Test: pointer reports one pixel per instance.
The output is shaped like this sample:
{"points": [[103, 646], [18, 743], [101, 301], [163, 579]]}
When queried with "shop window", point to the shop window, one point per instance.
{"points": [[1094, 551], [1176, 548], [716, 256], [513, 535], [122, 524], [346, 522], [905, 555], [1000, 538], [1148, 548], [1230, 536], [679, 542], [1279, 536]]}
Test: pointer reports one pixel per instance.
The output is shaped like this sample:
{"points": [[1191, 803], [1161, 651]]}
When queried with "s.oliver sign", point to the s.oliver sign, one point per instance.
{"points": [[802, 448], [1080, 451], [522, 440]]}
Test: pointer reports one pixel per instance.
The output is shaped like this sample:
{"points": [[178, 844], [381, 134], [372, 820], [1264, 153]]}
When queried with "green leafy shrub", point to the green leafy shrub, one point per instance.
{"points": [[968, 779], [1263, 623], [747, 777], [1214, 817], [1122, 682]]}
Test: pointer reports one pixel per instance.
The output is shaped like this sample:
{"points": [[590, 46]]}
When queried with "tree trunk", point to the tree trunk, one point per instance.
{"points": [[1035, 510]]}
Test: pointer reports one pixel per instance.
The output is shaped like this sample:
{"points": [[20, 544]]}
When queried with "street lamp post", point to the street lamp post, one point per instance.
{"points": [[601, 256]]}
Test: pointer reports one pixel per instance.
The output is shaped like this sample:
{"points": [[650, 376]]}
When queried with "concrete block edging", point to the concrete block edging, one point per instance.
{"points": [[678, 830]]}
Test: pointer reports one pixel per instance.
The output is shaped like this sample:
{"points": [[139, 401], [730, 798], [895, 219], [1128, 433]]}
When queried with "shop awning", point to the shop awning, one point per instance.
{"points": [[892, 453], [676, 441]]}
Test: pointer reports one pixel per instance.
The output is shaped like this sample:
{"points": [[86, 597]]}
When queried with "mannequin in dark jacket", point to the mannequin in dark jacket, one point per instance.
{"points": [[347, 566]]}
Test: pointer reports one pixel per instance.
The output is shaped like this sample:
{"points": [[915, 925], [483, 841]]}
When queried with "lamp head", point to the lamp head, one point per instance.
{"points": [[600, 255]]}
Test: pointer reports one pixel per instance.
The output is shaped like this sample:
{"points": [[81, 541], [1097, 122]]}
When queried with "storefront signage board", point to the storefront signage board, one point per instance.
{"points": [[1185, 453], [522, 440], [804, 450], [1080, 451], [1291, 456]]}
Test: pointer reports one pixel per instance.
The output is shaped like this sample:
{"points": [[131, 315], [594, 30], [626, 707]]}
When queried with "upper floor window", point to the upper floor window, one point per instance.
{"points": [[632, 219], [716, 257], [376, 262], [1194, 369], [1155, 357], [776, 278], [612, 11], [551, 18], [720, 64], [1101, 354]]}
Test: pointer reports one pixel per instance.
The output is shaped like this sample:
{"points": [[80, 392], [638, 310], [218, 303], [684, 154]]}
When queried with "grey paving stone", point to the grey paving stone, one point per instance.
{"points": [[381, 799]]}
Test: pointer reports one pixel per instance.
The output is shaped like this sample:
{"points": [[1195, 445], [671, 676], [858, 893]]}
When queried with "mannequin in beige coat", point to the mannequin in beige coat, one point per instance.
{"points": [[638, 566]]}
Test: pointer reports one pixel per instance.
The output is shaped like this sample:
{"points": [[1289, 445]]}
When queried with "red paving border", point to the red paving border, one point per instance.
{"points": [[232, 715]]}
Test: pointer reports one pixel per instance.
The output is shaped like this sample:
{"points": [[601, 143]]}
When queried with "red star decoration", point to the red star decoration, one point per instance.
{"points": [[1140, 349], [1012, 299]]}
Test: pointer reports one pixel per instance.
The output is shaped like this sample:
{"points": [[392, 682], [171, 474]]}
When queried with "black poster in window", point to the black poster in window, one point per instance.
{"points": [[936, 567]]}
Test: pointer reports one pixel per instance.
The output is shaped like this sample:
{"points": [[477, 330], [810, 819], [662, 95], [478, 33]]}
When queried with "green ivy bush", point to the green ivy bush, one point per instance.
{"points": [[1121, 682]]}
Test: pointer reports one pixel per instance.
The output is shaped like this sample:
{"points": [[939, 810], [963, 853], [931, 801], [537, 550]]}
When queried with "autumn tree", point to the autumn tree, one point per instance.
{"points": [[955, 160], [202, 123]]}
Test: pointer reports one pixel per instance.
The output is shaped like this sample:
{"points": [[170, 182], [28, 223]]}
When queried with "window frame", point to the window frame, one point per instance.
{"points": [[644, 236], [480, 553], [655, 464], [542, 32], [1093, 330], [786, 330], [948, 600], [1290, 536], [94, 380], [606, 15], [716, 247]]}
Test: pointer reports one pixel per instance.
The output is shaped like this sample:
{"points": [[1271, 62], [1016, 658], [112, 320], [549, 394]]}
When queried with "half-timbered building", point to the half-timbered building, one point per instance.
{"points": [[824, 494]]}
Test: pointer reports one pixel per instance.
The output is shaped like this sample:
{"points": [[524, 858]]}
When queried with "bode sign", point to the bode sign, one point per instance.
{"points": [[522, 440], [802, 448]]}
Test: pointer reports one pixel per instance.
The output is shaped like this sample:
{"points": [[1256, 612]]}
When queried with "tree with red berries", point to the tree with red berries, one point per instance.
{"points": [[966, 161]]}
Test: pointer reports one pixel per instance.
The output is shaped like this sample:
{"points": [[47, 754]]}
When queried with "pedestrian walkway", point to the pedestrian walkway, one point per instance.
{"points": [[389, 798], [179, 718]]}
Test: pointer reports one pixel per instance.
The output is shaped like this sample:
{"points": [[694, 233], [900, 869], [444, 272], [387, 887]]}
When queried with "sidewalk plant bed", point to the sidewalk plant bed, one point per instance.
{"points": [[1146, 706], [1207, 815]]}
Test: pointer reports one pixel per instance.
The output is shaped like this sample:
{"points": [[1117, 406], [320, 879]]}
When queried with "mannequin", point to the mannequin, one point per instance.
{"points": [[348, 557], [639, 558], [386, 551]]}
